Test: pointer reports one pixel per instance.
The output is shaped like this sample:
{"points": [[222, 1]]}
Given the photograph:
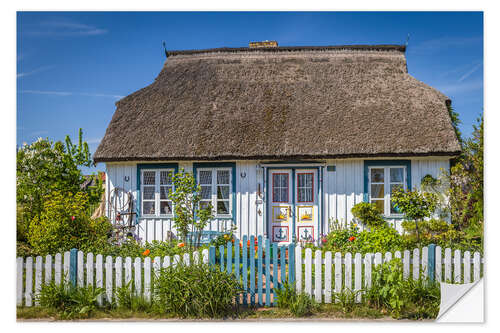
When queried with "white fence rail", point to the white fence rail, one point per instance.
{"points": [[311, 277], [355, 272]]}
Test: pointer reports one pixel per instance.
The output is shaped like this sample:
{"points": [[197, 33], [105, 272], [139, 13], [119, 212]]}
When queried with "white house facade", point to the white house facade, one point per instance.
{"points": [[282, 140]]}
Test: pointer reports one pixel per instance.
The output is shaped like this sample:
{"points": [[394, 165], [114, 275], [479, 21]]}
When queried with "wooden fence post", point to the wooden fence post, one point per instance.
{"points": [[431, 265], [73, 266], [211, 255]]}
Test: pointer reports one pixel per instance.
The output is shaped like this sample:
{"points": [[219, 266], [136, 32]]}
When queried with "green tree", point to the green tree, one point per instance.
{"points": [[189, 215], [44, 167], [415, 205], [466, 180], [368, 214]]}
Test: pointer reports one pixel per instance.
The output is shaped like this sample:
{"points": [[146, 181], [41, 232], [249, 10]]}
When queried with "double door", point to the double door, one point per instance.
{"points": [[293, 205]]}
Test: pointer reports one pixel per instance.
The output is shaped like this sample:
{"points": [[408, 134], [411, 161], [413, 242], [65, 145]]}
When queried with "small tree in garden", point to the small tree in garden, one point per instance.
{"points": [[415, 205], [368, 214], [186, 200]]}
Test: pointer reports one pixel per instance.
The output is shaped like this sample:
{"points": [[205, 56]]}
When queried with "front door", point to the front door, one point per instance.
{"points": [[292, 205]]}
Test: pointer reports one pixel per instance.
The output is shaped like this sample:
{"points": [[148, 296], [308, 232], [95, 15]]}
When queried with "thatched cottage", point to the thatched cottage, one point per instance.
{"points": [[282, 140]]}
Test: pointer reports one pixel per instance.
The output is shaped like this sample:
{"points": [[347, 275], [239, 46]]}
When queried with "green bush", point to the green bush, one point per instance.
{"points": [[70, 302], [402, 298], [195, 291], [382, 239], [63, 224], [368, 214]]}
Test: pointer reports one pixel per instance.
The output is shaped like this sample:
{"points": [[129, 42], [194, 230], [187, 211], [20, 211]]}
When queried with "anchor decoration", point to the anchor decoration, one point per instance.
{"points": [[306, 234], [280, 234]]}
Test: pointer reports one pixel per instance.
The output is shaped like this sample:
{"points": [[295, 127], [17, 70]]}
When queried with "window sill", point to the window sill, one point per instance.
{"points": [[223, 217], [394, 216], [156, 216]]}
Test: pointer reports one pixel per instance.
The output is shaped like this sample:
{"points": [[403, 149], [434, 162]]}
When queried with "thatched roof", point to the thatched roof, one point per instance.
{"points": [[284, 102]]}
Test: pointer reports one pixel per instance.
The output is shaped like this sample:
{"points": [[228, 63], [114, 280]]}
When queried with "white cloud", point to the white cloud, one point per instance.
{"points": [[469, 73], [460, 87], [64, 27], [68, 93], [38, 70]]}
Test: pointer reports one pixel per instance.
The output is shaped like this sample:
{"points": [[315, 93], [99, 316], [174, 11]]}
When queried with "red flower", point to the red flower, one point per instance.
{"points": [[352, 238], [72, 218]]}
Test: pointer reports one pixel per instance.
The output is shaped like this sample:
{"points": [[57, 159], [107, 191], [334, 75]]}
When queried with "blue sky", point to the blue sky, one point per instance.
{"points": [[73, 66]]}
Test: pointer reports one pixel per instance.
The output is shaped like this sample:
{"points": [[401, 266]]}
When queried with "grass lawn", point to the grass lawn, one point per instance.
{"points": [[322, 312]]}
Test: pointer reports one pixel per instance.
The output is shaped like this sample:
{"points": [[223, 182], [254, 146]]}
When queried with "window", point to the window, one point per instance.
{"points": [[305, 187], [383, 181], [216, 189], [155, 189], [280, 187]]}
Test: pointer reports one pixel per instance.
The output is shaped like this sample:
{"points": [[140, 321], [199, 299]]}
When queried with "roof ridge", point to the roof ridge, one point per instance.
{"points": [[378, 47]]}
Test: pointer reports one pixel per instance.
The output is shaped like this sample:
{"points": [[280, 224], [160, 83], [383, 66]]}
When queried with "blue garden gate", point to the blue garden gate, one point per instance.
{"points": [[261, 267]]}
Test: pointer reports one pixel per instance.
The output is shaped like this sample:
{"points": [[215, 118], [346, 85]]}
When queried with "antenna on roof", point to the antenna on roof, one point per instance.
{"points": [[165, 49]]}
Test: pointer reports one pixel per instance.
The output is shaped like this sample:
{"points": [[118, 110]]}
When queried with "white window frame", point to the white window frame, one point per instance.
{"points": [[157, 193], [387, 187], [214, 189]]}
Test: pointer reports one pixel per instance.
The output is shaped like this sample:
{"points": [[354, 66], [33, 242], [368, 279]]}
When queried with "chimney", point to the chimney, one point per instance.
{"points": [[266, 43]]}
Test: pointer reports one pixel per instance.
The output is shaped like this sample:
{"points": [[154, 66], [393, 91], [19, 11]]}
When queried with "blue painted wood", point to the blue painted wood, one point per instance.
{"points": [[244, 272], [383, 163], [229, 257], [291, 263], [431, 265], [259, 269], [268, 272], [283, 266], [252, 270], [275, 271], [206, 236], [237, 266], [73, 266], [211, 255], [221, 257]]}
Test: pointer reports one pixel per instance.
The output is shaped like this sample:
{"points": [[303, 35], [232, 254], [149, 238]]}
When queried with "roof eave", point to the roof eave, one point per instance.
{"points": [[450, 154]]}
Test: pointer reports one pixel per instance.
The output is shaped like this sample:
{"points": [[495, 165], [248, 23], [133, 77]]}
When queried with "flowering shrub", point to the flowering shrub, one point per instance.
{"points": [[341, 239], [44, 167], [63, 224]]}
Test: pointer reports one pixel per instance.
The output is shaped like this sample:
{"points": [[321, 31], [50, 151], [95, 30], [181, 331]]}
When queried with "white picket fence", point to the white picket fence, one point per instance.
{"points": [[95, 271], [337, 274]]}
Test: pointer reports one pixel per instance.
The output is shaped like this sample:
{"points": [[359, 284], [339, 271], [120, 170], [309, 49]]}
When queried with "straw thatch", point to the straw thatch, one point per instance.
{"points": [[285, 102]]}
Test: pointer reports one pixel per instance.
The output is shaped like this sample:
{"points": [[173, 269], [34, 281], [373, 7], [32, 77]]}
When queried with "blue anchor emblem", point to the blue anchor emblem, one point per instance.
{"points": [[281, 235], [305, 236]]}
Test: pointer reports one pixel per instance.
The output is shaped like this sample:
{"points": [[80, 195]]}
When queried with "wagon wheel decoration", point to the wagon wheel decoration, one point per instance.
{"points": [[120, 205]]}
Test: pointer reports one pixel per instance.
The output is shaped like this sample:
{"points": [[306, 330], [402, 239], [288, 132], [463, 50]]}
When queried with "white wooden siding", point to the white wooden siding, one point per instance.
{"points": [[342, 189]]}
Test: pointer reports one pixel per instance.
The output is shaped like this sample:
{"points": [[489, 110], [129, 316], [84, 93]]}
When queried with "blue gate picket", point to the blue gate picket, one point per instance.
{"points": [[229, 257], [291, 263], [259, 270], [275, 271], [268, 272], [252, 270], [244, 272], [256, 262]]}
